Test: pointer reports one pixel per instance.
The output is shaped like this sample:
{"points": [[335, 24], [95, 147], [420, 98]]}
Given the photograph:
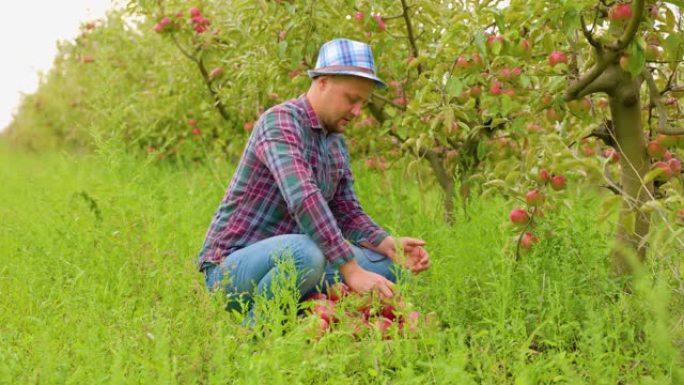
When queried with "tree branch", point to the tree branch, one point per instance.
{"points": [[654, 95], [183, 51], [217, 100], [409, 29], [628, 35], [588, 34], [387, 101], [578, 87]]}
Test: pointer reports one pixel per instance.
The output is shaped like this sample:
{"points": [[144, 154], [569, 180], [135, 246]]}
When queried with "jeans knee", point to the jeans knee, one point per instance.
{"points": [[309, 260]]}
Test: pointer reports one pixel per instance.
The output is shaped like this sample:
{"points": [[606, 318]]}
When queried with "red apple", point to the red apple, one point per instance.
{"points": [[315, 296], [557, 57], [381, 22], [528, 239], [544, 175], [655, 150], [667, 171], [587, 151], [477, 59], [516, 71], [412, 320], [388, 311], [654, 11], [194, 12], [215, 73], [534, 127], [552, 115], [359, 16], [401, 101], [324, 324], [337, 291], [196, 131], [519, 216], [493, 39], [382, 324], [248, 126], [602, 103], [558, 182], [619, 12], [475, 91], [495, 88], [675, 165], [666, 140], [326, 310], [534, 197], [88, 58], [462, 62], [624, 62], [611, 154]]}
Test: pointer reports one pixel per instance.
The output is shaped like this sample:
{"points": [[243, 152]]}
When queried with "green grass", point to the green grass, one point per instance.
{"points": [[98, 284]]}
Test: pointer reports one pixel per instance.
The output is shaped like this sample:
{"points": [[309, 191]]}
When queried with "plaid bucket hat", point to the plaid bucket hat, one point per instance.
{"points": [[346, 57]]}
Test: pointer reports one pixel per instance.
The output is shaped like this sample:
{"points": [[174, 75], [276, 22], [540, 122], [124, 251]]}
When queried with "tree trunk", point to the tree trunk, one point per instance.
{"points": [[446, 181], [633, 224]]}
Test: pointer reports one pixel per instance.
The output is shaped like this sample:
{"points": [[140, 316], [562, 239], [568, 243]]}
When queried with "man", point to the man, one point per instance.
{"points": [[292, 194]]}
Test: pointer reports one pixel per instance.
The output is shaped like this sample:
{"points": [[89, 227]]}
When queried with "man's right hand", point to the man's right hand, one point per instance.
{"points": [[362, 281]]}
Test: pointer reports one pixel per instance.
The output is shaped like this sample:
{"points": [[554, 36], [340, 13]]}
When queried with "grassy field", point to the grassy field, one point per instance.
{"points": [[98, 285]]}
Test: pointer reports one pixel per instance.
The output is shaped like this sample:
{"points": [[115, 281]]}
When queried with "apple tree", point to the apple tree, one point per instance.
{"points": [[514, 97]]}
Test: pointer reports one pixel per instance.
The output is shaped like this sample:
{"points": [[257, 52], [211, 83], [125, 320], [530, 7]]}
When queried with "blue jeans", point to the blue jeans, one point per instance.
{"points": [[250, 270]]}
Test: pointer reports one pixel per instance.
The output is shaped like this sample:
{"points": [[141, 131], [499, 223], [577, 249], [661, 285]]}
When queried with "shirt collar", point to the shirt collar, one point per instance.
{"points": [[315, 123]]}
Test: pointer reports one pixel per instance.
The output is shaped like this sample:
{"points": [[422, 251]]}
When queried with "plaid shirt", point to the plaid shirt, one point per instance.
{"points": [[293, 178]]}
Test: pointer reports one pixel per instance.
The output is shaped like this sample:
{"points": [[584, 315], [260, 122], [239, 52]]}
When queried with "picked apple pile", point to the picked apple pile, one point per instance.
{"points": [[363, 313]]}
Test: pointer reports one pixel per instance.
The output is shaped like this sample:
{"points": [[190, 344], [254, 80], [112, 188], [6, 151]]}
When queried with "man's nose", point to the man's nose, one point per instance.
{"points": [[356, 110]]}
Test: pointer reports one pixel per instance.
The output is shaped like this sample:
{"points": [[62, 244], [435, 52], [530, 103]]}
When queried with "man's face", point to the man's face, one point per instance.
{"points": [[342, 98]]}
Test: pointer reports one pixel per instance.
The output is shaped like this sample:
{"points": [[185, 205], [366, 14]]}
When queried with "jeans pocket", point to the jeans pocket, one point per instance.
{"points": [[373, 256]]}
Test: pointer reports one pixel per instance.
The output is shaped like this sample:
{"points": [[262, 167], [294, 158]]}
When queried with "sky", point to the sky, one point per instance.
{"points": [[29, 33]]}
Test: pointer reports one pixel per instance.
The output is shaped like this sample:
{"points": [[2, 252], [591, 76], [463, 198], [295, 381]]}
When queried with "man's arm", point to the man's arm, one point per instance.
{"points": [[355, 224]]}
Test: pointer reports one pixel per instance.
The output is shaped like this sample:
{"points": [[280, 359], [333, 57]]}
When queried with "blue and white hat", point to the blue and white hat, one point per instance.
{"points": [[346, 57]]}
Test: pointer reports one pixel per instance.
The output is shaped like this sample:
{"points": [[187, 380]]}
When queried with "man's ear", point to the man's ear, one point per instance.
{"points": [[323, 82]]}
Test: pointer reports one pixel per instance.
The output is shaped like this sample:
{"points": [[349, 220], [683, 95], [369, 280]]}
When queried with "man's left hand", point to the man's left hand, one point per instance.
{"points": [[415, 258]]}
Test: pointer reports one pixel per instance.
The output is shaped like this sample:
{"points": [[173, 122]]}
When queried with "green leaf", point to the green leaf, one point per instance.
{"points": [[629, 222], [480, 40], [608, 207], [454, 86], [500, 22], [650, 177], [637, 60], [513, 177], [651, 206], [571, 22], [679, 3], [672, 44], [282, 49]]}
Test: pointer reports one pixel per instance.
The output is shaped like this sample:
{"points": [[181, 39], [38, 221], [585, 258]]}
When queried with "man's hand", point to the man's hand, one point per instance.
{"points": [[362, 281], [415, 257]]}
